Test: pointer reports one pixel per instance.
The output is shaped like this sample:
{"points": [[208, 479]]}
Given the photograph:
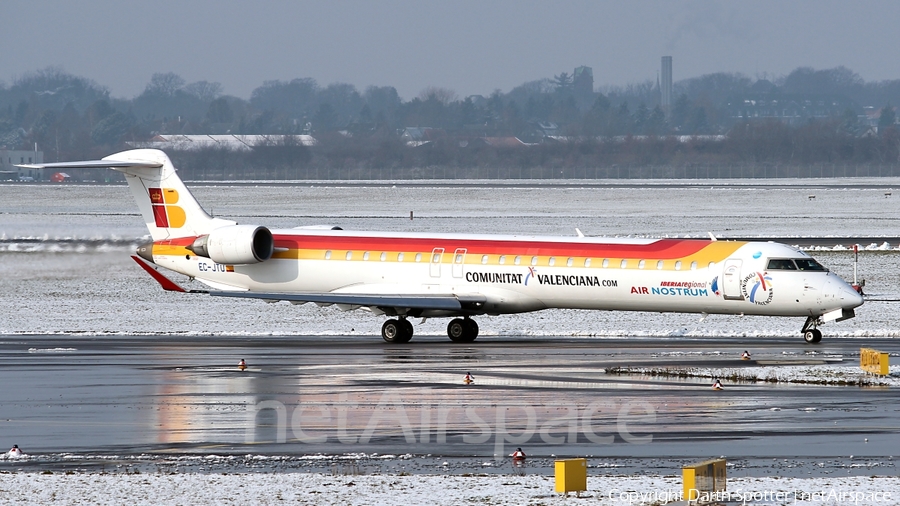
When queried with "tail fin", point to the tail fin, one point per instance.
{"points": [[168, 208]]}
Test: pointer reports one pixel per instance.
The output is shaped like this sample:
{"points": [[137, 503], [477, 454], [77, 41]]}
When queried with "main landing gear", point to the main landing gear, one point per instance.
{"points": [[400, 330], [811, 334], [462, 330], [397, 330]]}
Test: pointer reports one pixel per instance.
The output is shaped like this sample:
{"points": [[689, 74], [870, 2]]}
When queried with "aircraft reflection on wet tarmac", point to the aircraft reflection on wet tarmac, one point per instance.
{"points": [[337, 395]]}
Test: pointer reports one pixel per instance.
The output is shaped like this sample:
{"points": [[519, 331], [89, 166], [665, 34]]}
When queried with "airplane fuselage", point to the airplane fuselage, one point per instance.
{"points": [[518, 274]]}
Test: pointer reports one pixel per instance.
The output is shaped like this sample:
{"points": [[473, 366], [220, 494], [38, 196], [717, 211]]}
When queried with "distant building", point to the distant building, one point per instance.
{"points": [[546, 128], [583, 87], [871, 117], [10, 158], [478, 100], [416, 136], [228, 142], [788, 108], [504, 142], [583, 81]]}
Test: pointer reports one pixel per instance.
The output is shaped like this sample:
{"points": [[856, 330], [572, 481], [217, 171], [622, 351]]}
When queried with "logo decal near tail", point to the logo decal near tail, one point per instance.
{"points": [[165, 213]]}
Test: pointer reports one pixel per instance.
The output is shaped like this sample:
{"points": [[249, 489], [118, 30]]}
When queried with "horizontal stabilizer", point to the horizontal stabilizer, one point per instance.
{"points": [[93, 164], [165, 282]]}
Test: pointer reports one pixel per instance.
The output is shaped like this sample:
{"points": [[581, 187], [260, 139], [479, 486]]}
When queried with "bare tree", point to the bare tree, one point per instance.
{"points": [[443, 95], [204, 90], [165, 84]]}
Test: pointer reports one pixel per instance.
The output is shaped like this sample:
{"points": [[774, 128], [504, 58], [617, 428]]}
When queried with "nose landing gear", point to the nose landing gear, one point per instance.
{"points": [[811, 334]]}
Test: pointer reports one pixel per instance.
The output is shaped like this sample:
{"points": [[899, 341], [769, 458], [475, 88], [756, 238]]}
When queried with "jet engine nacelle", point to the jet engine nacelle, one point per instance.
{"points": [[236, 244]]}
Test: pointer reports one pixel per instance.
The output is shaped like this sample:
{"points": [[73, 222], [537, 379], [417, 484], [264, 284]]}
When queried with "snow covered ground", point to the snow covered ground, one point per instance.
{"points": [[326, 489], [837, 374]]}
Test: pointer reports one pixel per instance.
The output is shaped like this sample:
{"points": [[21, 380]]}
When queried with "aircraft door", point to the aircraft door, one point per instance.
{"points": [[437, 254], [731, 279], [459, 262]]}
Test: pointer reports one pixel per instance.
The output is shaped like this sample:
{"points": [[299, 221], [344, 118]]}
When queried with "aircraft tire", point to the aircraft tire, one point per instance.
{"points": [[407, 329], [812, 336], [456, 330], [393, 332], [462, 330], [471, 329]]}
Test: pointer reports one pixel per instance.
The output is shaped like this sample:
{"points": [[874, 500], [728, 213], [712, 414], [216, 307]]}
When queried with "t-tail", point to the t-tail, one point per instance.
{"points": [[168, 207]]}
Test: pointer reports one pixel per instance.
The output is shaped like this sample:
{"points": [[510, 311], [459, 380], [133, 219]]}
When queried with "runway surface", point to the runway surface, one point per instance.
{"points": [[136, 395]]}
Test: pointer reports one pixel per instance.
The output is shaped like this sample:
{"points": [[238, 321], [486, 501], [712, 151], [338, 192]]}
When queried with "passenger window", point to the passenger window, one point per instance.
{"points": [[418, 257], [518, 260], [484, 259], [711, 265], [534, 260], [624, 264], [693, 266], [641, 264], [587, 262], [383, 256], [459, 259], [502, 259], [808, 264], [349, 255], [399, 257], [659, 265], [328, 255], [678, 265], [436, 258], [605, 263], [569, 262], [781, 264], [366, 255], [552, 261]]}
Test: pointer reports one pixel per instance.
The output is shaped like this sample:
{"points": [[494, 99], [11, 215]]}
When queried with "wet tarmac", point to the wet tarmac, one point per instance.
{"points": [[310, 402]]}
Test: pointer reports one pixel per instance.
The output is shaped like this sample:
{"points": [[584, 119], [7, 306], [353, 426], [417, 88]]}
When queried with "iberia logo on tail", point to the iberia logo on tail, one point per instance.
{"points": [[166, 214]]}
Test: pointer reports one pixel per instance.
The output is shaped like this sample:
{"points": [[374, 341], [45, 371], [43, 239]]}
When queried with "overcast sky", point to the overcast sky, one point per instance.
{"points": [[468, 46]]}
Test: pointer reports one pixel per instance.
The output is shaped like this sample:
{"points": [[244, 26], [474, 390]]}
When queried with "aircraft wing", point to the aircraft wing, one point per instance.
{"points": [[389, 304]]}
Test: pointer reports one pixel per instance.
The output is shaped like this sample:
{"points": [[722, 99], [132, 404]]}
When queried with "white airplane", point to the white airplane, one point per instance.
{"points": [[404, 275]]}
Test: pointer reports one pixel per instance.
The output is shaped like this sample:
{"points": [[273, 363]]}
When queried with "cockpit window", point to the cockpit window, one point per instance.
{"points": [[781, 264], [789, 264], [808, 264]]}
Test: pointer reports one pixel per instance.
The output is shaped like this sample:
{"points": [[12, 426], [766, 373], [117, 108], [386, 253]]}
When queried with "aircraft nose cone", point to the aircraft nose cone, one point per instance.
{"points": [[849, 297]]}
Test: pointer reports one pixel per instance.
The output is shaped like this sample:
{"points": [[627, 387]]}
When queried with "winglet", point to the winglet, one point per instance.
{"points": [[165, 282]]}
